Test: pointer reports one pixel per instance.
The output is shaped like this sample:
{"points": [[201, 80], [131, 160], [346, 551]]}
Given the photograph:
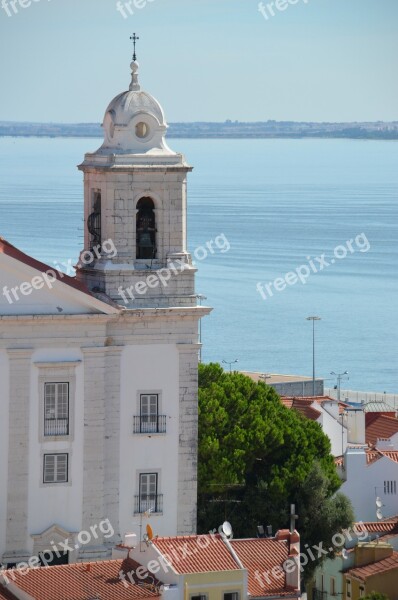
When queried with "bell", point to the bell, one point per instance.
{"points": [[145, 240]]}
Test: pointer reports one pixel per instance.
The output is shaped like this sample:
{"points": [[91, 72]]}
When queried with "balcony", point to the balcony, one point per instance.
{"points": [[56, 427], [150, 424], [144, 503], [319, 594]]}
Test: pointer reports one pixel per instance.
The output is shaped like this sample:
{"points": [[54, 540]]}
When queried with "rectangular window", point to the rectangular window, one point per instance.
{"points": [[322, 581], [56, 409], [361, 591], [390, 487], [231, 596], [55, 468], [148, 492], [149, 412], [199, 597], [348, 588]]}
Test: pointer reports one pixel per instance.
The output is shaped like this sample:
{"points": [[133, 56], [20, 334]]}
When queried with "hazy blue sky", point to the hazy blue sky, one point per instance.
{"points": [[64, 60]]}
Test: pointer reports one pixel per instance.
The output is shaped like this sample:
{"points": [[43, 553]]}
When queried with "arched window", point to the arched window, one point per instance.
{"points": [[94, 222], [146, 229]]}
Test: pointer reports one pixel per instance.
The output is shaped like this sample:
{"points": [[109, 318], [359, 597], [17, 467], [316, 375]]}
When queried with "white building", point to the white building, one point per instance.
{"points": [[370, 474], [99, 372]]}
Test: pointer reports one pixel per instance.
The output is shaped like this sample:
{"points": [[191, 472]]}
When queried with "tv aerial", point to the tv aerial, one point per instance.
{"points": [[227, 529], [379, 514], [379, 502]]}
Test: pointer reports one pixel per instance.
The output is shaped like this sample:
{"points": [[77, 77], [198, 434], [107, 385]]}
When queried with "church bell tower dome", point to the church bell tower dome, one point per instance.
{"points": [[134, 122]]}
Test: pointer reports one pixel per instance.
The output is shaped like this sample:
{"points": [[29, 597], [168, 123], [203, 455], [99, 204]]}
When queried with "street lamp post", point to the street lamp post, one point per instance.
{"points": [[313, 319], [200, 297], [339, 378], [264, 377], [230, 363]]}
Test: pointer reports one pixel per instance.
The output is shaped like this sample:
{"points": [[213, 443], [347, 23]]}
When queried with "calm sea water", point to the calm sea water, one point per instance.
{"points": [[277, 202]]}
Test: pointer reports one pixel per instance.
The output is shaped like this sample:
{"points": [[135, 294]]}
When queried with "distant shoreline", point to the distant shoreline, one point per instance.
{"points": [[226, 130]]}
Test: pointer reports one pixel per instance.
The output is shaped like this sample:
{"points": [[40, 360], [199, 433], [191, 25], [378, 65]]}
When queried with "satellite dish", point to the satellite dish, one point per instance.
{"points": [[227, 529], [379, 503], [344, 554], [149, 532], [379, 514]]}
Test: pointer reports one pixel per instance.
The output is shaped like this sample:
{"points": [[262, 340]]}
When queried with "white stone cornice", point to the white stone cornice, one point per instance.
{"points": [[18, 353], [63, 364]]}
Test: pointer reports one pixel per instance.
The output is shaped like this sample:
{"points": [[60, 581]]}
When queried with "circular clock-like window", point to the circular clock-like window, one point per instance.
{"points": [[142, 130]]}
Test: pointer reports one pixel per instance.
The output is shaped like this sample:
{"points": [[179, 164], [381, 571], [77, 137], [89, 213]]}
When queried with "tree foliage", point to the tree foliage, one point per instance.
{"points": [[375, 596], [256, 457]]}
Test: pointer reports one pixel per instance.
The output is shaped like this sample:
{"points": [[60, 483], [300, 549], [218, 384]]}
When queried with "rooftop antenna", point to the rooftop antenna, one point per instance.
{"points": [[134, 38]]}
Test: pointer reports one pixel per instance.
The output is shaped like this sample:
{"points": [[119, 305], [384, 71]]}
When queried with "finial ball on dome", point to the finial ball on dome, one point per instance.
{"points": [[134, 66]]}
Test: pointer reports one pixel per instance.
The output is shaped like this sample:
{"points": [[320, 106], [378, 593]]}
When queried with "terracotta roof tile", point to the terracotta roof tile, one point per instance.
{"points": [[83, 581], [380, 527], [380, 426], [196, 553], [261, 556], [303, 406], [387, 564], [373, 455]]}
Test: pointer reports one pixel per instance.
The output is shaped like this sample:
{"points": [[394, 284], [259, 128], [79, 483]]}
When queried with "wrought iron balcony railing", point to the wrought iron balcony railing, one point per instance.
{"points": [[146, 502], [54, 427], [150, 424]]}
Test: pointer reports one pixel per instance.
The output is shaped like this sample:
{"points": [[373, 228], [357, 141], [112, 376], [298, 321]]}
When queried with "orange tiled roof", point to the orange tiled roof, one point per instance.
{"points": [[372, 456], [387, 564], [261, 556], [196, 553], [83, 581], [382, 528], [379, 426], [303, 406]]}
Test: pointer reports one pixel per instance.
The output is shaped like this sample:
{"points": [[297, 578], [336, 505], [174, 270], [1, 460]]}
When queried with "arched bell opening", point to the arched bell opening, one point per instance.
{"points": [[146, 229], [94, 222]]}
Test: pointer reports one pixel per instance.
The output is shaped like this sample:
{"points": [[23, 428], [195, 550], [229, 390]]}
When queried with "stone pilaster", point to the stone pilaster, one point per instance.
{"points": [[18, 456], [112, 440], [188, 439], [94, 449]]}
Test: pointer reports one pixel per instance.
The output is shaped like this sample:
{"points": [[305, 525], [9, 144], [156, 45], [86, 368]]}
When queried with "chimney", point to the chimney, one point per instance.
{"points": [[355, 421]]}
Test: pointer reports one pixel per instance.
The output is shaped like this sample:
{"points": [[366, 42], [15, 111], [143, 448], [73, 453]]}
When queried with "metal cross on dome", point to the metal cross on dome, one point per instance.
{"points": [[134, 39]]}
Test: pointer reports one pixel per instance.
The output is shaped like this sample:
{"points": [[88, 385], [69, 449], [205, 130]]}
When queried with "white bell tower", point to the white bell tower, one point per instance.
{"points": [[135, 199]]}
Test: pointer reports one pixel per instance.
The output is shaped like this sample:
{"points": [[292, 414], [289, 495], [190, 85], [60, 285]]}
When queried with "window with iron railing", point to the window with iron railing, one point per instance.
{"points": [[56, 409], [148, 500], [149, 420]]}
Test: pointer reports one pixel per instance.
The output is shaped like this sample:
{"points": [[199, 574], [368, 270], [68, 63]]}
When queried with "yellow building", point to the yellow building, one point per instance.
{"points": [[375, 570]]}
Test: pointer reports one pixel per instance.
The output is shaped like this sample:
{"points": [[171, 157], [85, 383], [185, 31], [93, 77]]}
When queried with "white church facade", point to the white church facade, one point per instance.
{"points": [[98, 373]]}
